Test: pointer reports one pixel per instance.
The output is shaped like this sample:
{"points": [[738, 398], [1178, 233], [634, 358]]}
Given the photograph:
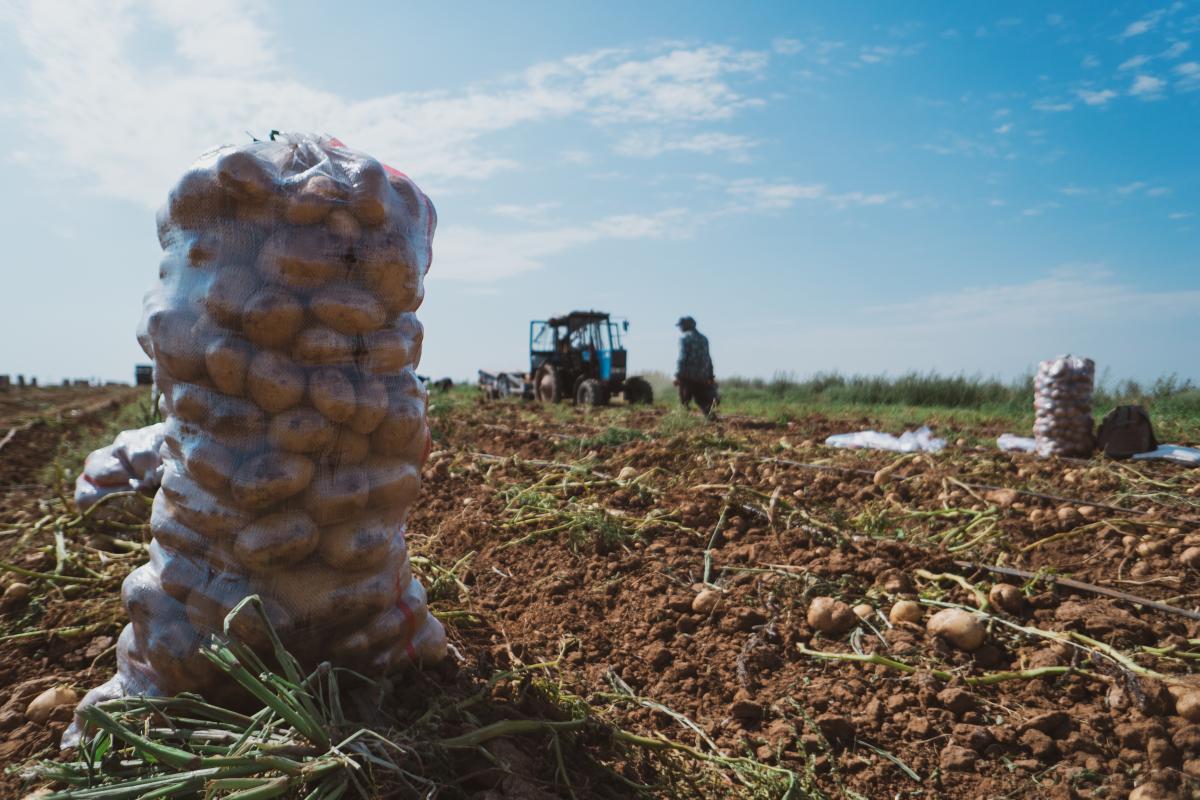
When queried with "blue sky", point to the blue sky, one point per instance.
{"points": [[865, 187]]}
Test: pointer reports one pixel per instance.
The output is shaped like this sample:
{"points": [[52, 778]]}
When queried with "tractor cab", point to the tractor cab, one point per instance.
{"points": [[580, 355]]}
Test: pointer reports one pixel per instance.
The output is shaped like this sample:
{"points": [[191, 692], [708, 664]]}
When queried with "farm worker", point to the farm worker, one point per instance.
{"points": [[694, 372]]}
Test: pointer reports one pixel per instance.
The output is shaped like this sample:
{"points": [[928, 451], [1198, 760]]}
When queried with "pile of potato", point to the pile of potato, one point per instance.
{"points": [[1062, 403], [284, 342]]}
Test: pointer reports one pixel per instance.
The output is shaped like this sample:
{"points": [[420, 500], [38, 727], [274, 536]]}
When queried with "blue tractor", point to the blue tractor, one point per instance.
{"points": [[580, 356]]}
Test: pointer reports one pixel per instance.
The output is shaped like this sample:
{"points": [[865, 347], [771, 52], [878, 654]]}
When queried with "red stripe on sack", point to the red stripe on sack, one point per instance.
{"points": [[410, 621], [410, 651]]}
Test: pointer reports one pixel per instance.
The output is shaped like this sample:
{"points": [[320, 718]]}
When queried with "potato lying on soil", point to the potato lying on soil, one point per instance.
{"points": [[960, 628], [830, 616], [905, 611], [1007, 597]]}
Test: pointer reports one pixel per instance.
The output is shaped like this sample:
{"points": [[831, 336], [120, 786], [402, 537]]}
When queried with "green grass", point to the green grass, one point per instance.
{"points": [[954, 401]]}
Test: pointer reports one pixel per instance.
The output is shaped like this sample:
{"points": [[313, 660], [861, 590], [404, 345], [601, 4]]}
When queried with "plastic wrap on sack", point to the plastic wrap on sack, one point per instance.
{"points": [[131, 463], [1062, 403], [284, 340]]}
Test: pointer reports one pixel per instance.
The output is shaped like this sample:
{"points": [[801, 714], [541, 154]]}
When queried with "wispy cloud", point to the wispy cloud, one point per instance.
{"points": [[1053, 106], [1147, 87], [1189, 75], [1096, 98], [475, 255], [1143, 25], [752, 194], [536, 213], [1133, 63], [652, 143], [85, 73]]}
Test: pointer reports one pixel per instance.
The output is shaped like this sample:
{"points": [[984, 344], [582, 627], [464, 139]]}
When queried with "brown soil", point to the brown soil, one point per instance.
{"points": [[598, 567]]}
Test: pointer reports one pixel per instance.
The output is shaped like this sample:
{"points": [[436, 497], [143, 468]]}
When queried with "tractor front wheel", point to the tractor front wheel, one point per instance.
{"points": [[638, 392], [591, 393], [546, 386]]}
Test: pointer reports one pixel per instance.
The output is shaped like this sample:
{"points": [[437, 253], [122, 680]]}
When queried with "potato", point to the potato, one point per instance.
{"points": [[332, 393], [863, 610], [960, 628], [176, 347], [312, 201], [394, 484], [270, 478], [322, 346], [272, 317], [1187, 705], [829, 616], [402, 431], [197, 508], [196, 199], [337, 495], [301, 430], [348, 449], [905, 611], [388, 352], [208, 463], [387, 266], [276, 541], [302, 258], [274, 382], [178, 573], [171, 533], [226, 359], [347, 310], [217, 413], [705, 601], [370, 201], [246, 176], [359, 544], [371, 397], [320, 597], [228, 293], [143, 597], [1007, 597], [344, 227], [1190, 557]]}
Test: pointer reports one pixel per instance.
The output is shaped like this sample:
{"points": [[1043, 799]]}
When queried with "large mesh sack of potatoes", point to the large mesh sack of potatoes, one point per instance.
{"points": [[1062, 403], [284, 341]]}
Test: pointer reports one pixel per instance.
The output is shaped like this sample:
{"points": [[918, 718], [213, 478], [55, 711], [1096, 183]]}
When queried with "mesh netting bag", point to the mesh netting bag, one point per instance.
{"points": [[1062, 404], [284, 342]]}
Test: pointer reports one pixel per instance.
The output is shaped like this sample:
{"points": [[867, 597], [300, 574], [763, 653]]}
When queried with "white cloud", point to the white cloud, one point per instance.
{"points": [[145, 125], [1072, 190], [648, 144], [1130, 188], [1133, 63], [475, 255], [1078, 308], [1089, 62], [1147, 87], [537, 213], [787, 47], [1158, 191], [1189, 75], [753, 194], [1005, 128], [1176, 50], [1143, 25], [1096, 98], [1178, 215], [1052, 106], [1039, 209]]}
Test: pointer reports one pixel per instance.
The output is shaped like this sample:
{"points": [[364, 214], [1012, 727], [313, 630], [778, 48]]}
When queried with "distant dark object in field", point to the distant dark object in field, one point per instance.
{"points": [[143, 374], [442, 385]]}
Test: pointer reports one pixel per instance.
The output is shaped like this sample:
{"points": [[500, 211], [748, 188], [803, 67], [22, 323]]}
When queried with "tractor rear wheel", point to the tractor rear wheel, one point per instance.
{"points": [[591, 392], [638, 392], [546, 386]]}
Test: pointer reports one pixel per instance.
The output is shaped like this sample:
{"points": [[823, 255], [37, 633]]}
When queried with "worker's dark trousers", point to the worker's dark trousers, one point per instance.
{"points": [[703, 392]]}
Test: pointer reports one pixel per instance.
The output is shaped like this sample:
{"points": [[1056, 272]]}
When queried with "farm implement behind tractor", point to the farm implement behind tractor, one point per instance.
{"points": [[579, 356]]}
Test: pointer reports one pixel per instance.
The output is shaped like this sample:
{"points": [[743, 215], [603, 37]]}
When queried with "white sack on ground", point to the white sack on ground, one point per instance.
{"points": [[921, 439]]}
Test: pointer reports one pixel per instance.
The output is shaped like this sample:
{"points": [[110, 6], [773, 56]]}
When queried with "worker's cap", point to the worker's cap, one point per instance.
{"points": [[685, 322]]}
